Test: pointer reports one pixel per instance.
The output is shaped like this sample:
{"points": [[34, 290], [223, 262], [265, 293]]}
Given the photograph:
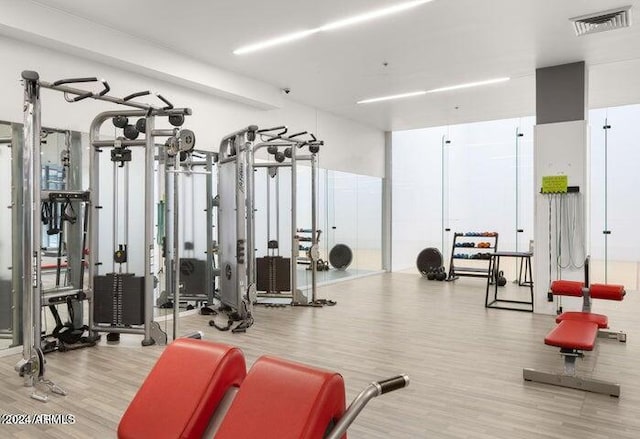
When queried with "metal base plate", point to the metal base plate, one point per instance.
{"points": [[573, 382], [612, 335], [157, 334]]}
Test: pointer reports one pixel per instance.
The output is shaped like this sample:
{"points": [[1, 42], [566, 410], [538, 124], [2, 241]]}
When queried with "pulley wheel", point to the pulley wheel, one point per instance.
{"points": [[340, 256], [429, 260]]}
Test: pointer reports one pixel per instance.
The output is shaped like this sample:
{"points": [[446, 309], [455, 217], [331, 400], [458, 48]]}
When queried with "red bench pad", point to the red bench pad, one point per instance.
{"points": [[182, 391], [599, 319], [281, 399], [573, 334]]}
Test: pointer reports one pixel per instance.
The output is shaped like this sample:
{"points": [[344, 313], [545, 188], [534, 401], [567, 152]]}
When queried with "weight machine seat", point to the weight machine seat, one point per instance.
{"points": [[574, 335], [599, 319], [280, 399], [182, 391]]}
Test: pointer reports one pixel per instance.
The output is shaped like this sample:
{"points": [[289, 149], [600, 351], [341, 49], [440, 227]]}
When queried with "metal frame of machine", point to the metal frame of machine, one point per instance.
{"points": [[174, 168], [150, 329], [27, 274], [236, 216]]}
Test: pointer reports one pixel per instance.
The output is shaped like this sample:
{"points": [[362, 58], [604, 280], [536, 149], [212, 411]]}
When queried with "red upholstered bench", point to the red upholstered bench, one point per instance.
{"points": [[577, 332], [281, 399], [182, 391], [574, 335], [599, 319]]}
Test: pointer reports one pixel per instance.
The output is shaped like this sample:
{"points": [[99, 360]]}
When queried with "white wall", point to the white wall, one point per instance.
{"points": [[350, 146], [560, 149]]}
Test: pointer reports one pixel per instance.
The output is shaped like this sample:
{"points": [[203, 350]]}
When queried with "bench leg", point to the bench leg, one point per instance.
{"points": [[573, 382], [614, 335]]}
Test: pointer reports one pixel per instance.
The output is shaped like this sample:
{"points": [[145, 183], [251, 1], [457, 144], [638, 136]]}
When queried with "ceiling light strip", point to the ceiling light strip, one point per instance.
{"points": [[338, 24], [388, 98], [469, 85], [435, 90], [275, 41], [356, 19]]}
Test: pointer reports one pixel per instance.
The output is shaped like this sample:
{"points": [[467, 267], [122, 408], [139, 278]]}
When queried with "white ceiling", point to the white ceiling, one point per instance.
{"points": [[444, 42]]}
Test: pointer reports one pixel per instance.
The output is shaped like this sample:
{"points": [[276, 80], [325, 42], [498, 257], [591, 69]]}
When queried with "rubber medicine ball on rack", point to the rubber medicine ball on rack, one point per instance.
{"points": [[340, 256]]}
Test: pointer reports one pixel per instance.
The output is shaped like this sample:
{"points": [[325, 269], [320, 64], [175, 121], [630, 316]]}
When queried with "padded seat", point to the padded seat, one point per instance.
{"points": [[280, 399], [573, 334], [599, 319], [182, 391]]}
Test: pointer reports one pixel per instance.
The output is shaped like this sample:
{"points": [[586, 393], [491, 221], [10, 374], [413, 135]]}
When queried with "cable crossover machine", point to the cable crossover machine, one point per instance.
{"points": [[119, 301], [243, 278]]}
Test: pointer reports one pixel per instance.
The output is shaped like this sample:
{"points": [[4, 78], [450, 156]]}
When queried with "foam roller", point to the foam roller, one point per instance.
{"points": [[567, 288], [607, 292]]}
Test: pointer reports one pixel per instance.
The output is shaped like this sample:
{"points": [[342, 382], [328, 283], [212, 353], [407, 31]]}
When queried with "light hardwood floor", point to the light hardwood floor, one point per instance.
{"points": [[465, 365]]}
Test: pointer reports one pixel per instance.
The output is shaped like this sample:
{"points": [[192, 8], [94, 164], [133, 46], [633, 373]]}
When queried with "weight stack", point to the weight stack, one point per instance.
{"points": [[273, 274], [193, 279], [5, 305], [119, 299]]}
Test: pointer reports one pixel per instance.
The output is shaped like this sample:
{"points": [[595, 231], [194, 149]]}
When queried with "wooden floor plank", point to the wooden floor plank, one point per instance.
{"points": [[465, 364]]}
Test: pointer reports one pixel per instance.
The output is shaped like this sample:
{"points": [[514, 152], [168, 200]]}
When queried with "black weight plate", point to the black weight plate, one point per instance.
{"points": [[340, 256], [428, 260]]}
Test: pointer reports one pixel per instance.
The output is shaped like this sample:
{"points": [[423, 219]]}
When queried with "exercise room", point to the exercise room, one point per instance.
{"points": [[372, 219]]}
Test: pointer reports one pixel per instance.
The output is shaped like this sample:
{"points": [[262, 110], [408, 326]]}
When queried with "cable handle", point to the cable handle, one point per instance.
{"points": [[105, 87], [393, 383], [138, 94], [278, 128]]}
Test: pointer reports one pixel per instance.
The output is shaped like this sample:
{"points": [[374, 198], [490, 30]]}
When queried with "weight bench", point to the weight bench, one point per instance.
{"points": [[187, 393], [577, 332], [280, 399], [595, 291], [183, 389]]}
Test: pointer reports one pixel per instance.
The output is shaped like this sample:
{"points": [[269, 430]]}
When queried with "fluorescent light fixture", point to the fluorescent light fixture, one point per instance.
{"points": [[388, 98], [276, 41], [371, 15], [356, 19], [469, 85]]}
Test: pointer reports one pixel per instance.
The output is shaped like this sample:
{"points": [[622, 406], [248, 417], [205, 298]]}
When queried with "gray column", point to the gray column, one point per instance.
{"points": [[560, 148], [387, 202]]}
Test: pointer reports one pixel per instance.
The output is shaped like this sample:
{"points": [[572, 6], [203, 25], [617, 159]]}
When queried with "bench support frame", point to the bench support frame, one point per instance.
{"points": [[569, 379]]}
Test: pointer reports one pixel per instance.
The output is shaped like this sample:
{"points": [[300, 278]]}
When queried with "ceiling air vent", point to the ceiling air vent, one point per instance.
{"points": [[602, 21]]}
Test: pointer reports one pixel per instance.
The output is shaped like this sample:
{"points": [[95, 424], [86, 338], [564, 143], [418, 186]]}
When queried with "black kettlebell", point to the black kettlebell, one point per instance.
{"points": [[287, 153], [501, 280], [441, 276], [280, 157], [431, 275], [272, 149], [313, 149]]}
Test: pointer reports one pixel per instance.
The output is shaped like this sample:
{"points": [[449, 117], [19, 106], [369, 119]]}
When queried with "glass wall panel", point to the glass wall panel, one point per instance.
{"points": [[6, 299], [369, 244], [615, 203], [417, 194], [349, 212], [463, 178], [597, 190], [343, 214]]}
